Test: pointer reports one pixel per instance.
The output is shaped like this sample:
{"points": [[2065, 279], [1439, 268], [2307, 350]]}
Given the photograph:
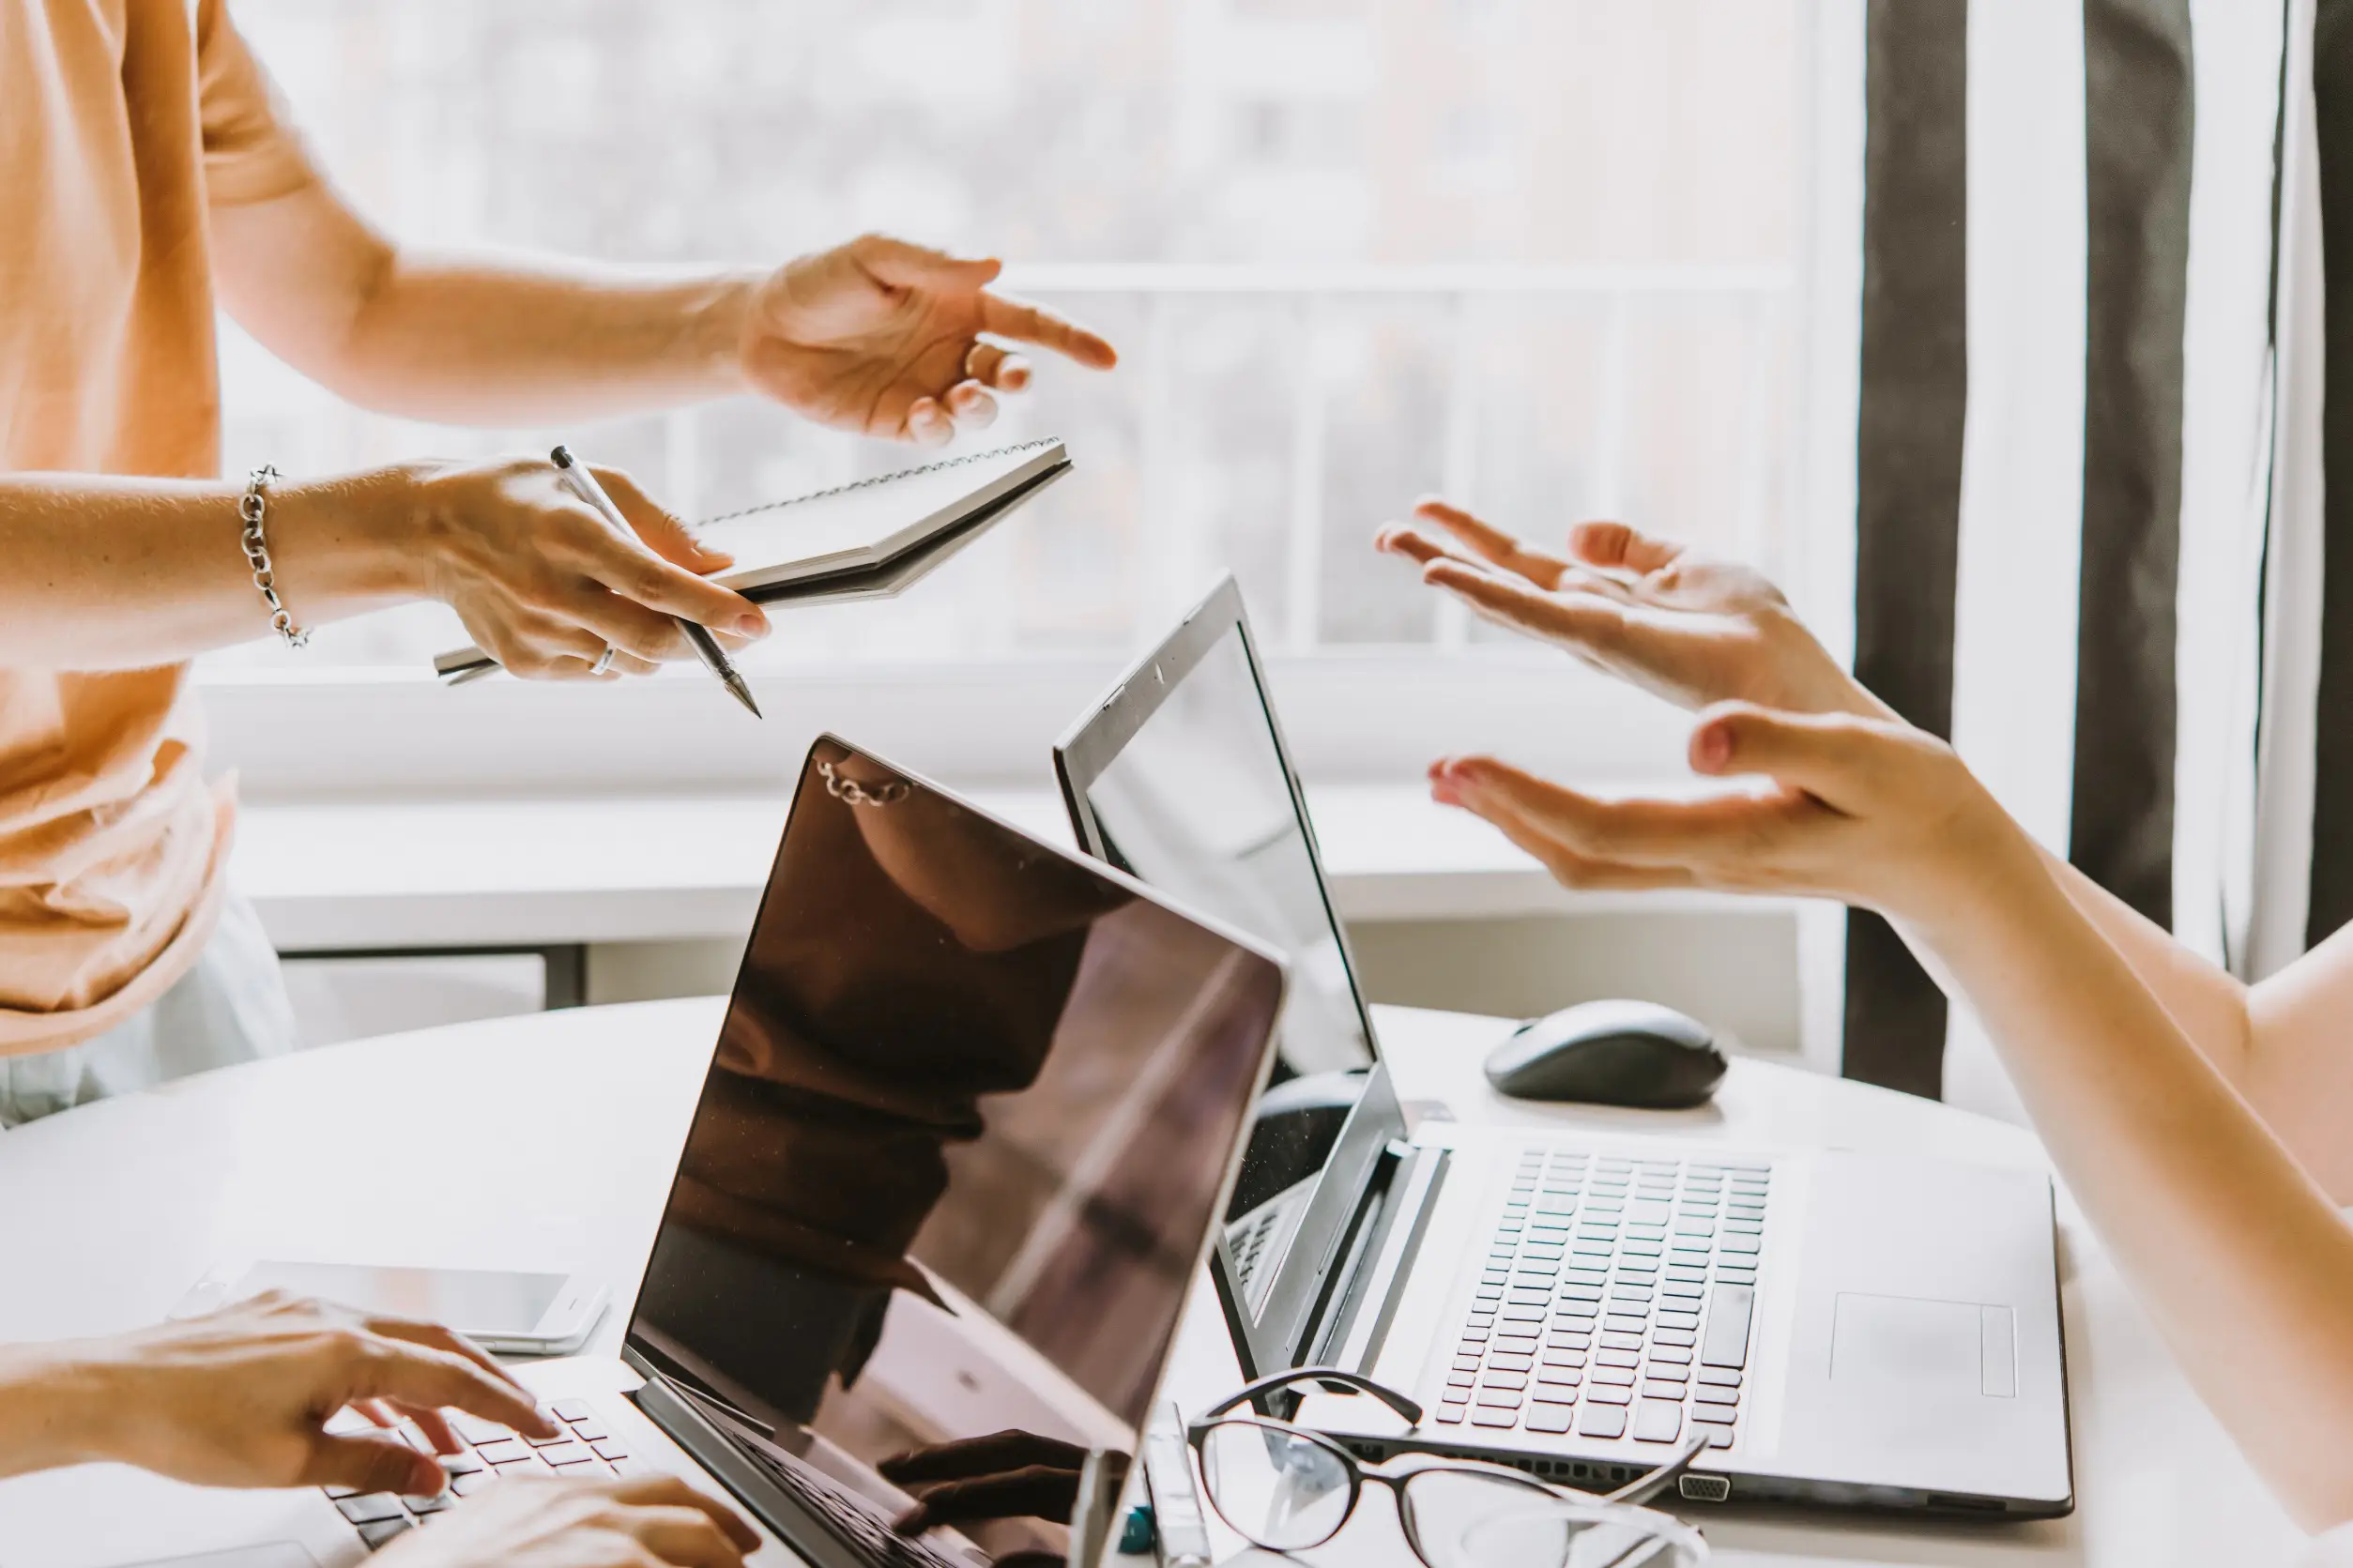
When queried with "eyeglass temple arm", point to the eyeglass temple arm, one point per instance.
{"points": [[1643, 1488], [1332, 1377]]}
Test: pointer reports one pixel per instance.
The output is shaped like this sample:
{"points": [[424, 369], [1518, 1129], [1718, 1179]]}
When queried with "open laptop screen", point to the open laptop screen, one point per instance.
{"points": [[974, 1108]]}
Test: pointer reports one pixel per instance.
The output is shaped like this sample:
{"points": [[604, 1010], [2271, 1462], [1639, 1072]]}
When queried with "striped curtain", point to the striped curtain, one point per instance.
{"points": [[2097, 405]]}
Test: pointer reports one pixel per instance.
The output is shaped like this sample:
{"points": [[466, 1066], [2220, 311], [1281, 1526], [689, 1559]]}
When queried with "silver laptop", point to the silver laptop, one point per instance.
{"points": [[1858, 1331], [968, 1124]]}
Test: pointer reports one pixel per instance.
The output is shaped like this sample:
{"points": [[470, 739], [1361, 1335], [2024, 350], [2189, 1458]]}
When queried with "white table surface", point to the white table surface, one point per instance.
{"points": [[549, 1141]]}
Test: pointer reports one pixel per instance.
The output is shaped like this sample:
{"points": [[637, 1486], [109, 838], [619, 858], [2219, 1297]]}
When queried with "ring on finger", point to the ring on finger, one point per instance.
{"points": [[603, 661]]}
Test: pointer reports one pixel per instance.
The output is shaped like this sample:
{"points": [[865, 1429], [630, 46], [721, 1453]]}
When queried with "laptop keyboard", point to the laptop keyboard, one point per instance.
{"points": [[1617, 1299], [869, 1537], [584, 1448]]}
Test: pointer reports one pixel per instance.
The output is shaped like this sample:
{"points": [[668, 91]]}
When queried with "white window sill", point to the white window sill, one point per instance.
{"points": [[530, 872]]}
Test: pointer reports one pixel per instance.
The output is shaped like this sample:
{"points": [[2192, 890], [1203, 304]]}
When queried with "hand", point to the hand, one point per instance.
{"points": [[240, 1397], [883, 338], [1692, 629], [543, 582], [1869, 811], [631, 1523], [1006, 1475]]}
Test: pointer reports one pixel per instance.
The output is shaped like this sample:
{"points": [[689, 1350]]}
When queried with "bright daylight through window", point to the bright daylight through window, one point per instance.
{"points": [[1546, 256]]}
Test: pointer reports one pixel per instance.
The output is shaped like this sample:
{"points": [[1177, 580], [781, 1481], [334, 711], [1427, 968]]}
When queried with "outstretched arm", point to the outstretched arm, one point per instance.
{"points": [[2243, 1261], [877, 336], [1697, 630]]}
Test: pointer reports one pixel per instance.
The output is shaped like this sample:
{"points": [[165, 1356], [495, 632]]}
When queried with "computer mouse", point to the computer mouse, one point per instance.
{"points": [[1613, 1052]]}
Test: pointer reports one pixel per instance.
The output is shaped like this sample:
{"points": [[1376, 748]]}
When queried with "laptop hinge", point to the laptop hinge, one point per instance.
{"points": [[1383, 1258]]}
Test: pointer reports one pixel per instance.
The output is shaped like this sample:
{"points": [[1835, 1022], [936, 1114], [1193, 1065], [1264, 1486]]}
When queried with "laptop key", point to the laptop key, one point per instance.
{"points": [[474, 1429], [1713, 1415], [610, 1449], [567, 1453], [1612, 1355], [1657, 1422], [1722, 1376], [1485, 1416], [1622, 1376], [1452, 1414], [430, 1505], [374, 1535], [572, 1409], [1549, 1418], [506, 1452], [1715, 1393], [369, 1507], [1673, 1336], [1503, 1380], [1501, 1362], [472, 1481], [1655, 1391], [1726, 1342], [1601, 1421], [1500, 1399]]}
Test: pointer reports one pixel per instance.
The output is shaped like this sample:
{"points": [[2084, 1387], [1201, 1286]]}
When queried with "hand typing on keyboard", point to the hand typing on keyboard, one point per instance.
{"points": [[239, 1397], [1007, 1475], [624, 1523]]}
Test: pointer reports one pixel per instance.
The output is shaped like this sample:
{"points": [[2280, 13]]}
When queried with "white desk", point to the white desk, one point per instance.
{"points": [[548, 1142]]}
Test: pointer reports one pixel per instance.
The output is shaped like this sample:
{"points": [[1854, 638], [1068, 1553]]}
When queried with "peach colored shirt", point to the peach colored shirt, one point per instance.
{"points": [[121, 122]]}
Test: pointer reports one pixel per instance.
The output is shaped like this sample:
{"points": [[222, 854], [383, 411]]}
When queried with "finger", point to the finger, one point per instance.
{"points": [[665, 532], [636, 572], [435, 1429], [373, 1464], [668, 1490], [1400, 539], [1693, 833], [1492, 543], [413, 1331], [992, 366], [621, 624], [1587, 623], [374, 1409], [1829, 757], [927, 422], [415, 1375], [1026, 323], [687, 1536], [969, 1457], [1033, 1492], [898, 264], [1613, 546], [971, 406], [1570, 869]]}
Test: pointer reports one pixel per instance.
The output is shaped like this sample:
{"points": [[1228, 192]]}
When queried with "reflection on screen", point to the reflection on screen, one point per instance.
{"points": [[1197, 803], [971, 1110]]}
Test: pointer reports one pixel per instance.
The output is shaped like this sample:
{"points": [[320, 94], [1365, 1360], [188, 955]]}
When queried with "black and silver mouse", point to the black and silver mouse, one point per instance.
{"points": [[1613, 1052]]}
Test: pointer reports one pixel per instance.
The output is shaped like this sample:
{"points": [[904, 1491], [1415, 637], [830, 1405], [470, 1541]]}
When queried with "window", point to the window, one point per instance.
{"points": [[1550, 256]]}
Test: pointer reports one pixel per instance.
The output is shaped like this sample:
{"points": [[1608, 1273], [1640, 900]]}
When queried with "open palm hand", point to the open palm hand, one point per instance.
{"points": [[896, 340], [1690, 629]]}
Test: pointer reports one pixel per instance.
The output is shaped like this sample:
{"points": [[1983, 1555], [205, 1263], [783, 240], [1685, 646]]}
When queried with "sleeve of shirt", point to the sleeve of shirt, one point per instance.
{"points": [[252, 151]]}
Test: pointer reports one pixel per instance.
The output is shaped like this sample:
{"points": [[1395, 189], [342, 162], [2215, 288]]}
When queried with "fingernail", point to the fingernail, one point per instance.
{"points": [[1711, 748], [752, 626]]}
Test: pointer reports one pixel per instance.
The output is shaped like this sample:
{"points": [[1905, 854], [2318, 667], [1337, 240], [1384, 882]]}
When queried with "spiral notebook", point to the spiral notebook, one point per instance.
{"points": [[872, 539]]}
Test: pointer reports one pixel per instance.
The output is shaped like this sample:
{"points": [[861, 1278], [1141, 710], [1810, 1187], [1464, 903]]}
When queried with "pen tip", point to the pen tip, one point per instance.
{"points": [[743, 694]]}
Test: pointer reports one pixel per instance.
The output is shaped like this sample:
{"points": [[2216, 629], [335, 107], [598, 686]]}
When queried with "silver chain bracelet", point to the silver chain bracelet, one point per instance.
{"points": [[254, 505]]}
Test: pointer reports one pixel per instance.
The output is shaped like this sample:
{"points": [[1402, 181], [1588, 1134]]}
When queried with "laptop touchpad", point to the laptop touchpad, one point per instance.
{"points": [[1926, 1347]]}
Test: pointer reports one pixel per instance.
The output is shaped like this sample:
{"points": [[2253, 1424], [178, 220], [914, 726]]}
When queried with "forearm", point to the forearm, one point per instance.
{"points": [[2242, 1259], [114, 573], [43, 1403], [489, 340]]}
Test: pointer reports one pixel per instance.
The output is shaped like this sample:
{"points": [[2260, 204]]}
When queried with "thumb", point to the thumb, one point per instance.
{"points": [[901, 265], [373, 1464], [661, 531], [1616, 545], [1831, 756]]}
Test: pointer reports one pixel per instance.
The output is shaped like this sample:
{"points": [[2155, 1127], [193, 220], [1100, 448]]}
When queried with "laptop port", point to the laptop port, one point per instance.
{"points": [[1704, 1488]]}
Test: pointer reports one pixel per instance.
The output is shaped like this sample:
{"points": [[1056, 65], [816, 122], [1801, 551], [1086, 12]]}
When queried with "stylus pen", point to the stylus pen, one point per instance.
{"points": [[582, 483]]}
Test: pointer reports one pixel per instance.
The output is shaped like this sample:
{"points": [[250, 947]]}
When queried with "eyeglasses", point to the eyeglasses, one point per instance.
{"points": [[1284, 1489]]}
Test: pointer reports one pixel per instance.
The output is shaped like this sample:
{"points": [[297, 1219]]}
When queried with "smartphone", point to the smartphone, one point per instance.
{"points": [[539, 1314]]}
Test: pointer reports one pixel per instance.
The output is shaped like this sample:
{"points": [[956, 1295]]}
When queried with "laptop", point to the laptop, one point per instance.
{"points": [[1850, 1331], [967, 1128]]}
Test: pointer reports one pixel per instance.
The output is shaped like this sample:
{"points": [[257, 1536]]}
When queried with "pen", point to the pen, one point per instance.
{"points": [[581, 482]]}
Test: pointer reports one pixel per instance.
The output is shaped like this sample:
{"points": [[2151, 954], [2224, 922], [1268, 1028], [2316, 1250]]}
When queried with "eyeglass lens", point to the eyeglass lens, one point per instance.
{"points": [[1282, 1490], [1568, 1538]]}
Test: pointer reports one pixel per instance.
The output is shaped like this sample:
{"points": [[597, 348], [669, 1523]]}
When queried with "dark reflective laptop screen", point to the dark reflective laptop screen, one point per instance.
{"points": [[972, 1108], [1197, 803]]}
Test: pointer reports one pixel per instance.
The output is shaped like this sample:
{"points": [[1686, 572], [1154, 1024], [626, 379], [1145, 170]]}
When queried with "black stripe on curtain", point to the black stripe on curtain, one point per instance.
{"points": [[2138, 112], [1915, 400], [2331, 875]]}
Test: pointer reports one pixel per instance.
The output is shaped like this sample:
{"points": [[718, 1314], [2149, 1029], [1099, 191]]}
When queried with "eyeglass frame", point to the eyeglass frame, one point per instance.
{"points": [[1397, 1471]]}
